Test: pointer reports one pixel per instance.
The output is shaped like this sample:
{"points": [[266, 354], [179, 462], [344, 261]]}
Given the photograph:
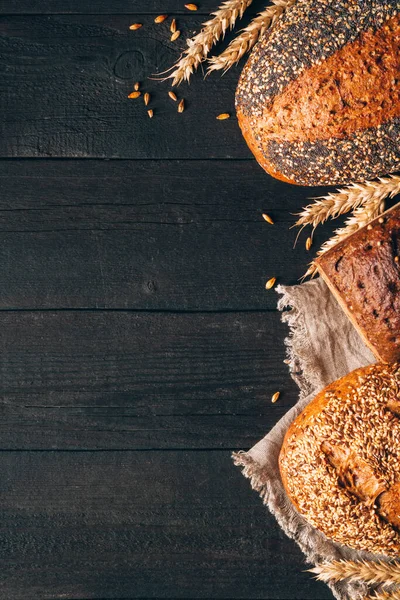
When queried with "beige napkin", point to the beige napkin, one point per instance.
{"points": [[322, 347]]}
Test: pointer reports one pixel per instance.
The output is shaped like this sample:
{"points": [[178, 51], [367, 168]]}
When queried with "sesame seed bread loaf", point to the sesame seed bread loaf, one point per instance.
{"points": [[318, 101], [340, 460], [363, 273]]}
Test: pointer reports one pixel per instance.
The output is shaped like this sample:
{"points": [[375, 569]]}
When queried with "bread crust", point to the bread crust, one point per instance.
{"points": [[340, 458], [363, 273], [258, 154], [327, 112]]}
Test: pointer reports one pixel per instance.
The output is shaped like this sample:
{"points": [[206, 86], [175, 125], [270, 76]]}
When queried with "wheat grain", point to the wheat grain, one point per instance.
{"points": [[160, 18], [223, 116], [199, 46], [135, 26], [267, 218], [246, 39], [175, 35], [334, 204], [270, 283], [173, 27], [367, 571], [275, 397]]}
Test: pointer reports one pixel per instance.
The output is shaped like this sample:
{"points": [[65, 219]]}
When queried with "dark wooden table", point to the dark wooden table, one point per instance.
{"points": [[138, 344]]}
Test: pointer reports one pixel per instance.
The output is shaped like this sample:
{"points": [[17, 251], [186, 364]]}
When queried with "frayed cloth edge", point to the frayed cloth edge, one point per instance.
{"points": [[298, 346], [289, 523]]}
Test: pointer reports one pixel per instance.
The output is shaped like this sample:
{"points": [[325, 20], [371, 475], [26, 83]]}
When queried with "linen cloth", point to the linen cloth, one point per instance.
{"points": [[322, 346]]}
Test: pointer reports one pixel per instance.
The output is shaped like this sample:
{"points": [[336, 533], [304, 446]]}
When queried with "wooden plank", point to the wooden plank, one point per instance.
{"points": [[146, 235], [51, 7], [141, 525], [120, 380], [64, 87]]}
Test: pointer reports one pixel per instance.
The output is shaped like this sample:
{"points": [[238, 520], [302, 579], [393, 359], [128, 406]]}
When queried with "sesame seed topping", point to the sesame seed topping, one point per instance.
{"points": [[359, 421]]}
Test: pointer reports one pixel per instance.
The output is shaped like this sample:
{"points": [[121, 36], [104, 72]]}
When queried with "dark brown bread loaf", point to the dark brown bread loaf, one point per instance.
{"points": [[340, 460], [363, 272], [318, 101]]}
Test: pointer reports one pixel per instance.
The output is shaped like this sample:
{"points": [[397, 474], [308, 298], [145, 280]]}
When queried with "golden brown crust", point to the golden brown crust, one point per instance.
{"points": [[389, 505], [340, 460], [363, 273], [258, 155], [355, 89], [303, 420]]}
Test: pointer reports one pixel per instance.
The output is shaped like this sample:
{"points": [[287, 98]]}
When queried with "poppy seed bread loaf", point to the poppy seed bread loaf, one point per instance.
{"points": [[318, 101], [340, 460], [363, 273]]}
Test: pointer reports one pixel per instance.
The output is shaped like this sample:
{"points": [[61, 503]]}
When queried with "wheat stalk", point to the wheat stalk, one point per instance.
{"points": [[369, 572], [245, 41], [361, 216], [384, 596], [334, 204], [200, 45]]}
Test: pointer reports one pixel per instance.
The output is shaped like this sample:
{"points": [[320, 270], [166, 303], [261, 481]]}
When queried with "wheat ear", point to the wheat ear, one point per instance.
{"points": [[384, 596], [361, 216], [200, 45], [245, 41], [369, 572], [334, 204]]}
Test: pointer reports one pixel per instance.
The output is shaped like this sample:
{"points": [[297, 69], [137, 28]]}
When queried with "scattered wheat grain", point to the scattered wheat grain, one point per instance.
{"points": [[267, 218], [270, 283]]}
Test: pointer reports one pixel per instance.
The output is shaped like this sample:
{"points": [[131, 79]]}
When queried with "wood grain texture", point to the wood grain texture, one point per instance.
{"points": [[90, 380], [129, 7], [158, 235], [64, 85], [117, 418], [140, 525]]}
